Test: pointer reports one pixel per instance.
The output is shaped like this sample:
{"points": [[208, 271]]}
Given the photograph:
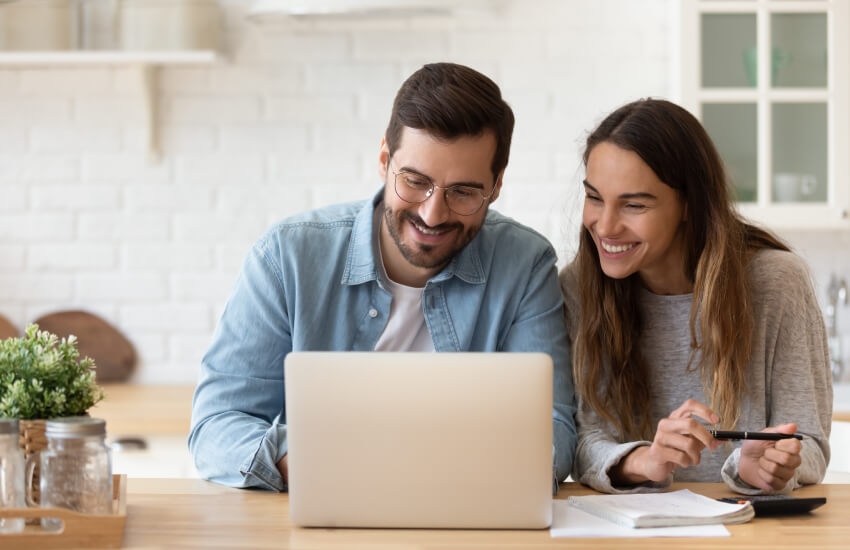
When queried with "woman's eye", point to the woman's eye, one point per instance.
{"points": [[593, 198], [635, 206]]}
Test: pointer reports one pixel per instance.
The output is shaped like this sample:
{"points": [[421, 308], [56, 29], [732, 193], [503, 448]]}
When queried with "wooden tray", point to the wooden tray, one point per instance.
{"points": [[78, 530]]}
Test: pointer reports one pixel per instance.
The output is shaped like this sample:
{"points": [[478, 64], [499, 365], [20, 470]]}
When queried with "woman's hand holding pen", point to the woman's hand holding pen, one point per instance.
{"points": [[679, 440], [769, 465]]}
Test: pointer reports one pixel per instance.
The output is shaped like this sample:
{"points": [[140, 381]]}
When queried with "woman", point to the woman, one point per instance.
{"points": [[683, 317]]}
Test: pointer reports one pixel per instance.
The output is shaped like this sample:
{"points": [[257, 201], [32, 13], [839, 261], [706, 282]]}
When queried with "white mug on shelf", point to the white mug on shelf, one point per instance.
{"points": [[792, 187]]}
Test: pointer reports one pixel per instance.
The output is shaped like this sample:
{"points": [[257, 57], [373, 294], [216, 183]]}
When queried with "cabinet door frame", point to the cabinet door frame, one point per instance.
{"points": [[835, 213]]}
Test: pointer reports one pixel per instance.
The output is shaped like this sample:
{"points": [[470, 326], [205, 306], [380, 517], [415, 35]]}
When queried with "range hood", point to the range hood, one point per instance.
{"points": [[262, 10]]}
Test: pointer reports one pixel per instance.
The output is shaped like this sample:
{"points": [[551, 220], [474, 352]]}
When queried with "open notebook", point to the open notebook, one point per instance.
{"points": [[662, 509]]}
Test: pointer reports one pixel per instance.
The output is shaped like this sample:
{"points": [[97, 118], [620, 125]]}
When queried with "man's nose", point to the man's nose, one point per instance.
{"points": [[435, 210]]}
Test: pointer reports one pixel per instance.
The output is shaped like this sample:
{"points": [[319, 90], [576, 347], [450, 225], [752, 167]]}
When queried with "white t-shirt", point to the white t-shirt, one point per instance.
{"points": [[406, 328]]}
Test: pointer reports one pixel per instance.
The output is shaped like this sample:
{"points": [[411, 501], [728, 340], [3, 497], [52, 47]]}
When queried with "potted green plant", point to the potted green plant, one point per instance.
{"points": [[43, 377]]}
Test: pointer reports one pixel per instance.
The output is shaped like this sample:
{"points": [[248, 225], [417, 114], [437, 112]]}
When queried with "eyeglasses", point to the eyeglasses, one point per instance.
{"points": [[461, 199]]}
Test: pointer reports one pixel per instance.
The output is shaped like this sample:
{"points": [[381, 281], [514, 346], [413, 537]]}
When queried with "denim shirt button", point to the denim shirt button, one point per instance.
{"points": [[373, 313]]}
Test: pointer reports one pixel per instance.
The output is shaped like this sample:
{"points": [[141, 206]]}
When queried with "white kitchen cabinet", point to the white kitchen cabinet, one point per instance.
{"points": [[838, 470], [770, 81]]}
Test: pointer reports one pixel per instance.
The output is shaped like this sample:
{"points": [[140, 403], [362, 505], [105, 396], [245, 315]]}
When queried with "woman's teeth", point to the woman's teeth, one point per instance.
{"points": [[614, 249]]}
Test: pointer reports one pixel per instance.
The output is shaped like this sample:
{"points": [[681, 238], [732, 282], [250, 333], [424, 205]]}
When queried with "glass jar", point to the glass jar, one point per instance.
{"points": [[11, 475], [169, 24], [36, 25], [76, 468]]}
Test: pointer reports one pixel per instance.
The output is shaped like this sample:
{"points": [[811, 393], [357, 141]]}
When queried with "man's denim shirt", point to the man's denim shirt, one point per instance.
{"points": [[311, 283]]}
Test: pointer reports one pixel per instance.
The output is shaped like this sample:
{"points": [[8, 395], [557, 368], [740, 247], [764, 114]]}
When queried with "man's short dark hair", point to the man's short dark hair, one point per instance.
{"points": [[449, 101]]}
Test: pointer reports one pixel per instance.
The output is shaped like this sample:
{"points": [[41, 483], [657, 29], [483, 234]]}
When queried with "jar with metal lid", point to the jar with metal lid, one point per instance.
{"points": [[38, 25], [11, 475], [76, 468], [169, 24]]}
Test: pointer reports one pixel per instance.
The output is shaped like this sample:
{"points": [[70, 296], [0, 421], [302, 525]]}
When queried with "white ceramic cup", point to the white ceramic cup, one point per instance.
{"points": [[792, 187]]}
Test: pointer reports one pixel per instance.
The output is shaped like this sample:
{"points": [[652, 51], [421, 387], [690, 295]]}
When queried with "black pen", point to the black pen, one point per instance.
{"points": [[764, 436]]}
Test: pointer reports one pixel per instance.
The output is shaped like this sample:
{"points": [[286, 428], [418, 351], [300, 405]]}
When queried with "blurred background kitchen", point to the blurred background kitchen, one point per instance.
{"points": [[145, 144]]}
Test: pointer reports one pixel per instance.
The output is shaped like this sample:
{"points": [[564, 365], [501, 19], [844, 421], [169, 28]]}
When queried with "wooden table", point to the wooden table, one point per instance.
{"points": [[131, 409], [189, 513]]}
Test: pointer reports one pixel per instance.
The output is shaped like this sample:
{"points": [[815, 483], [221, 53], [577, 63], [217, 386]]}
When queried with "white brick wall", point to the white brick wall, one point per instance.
{"points": [[291, 121]]}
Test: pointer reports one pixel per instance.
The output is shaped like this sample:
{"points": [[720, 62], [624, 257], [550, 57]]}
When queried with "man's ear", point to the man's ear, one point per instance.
{"points": [[383, 159], [498, 187]]}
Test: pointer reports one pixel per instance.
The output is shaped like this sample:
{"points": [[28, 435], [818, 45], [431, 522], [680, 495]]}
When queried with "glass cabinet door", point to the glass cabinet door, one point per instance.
{"points": [[799, 151], [798, 50], [768, 79], [733, 128], [728, 50]]}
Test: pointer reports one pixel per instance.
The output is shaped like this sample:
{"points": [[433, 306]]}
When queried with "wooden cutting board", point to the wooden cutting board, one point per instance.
{"points": [[7, 329], [112, 352]]}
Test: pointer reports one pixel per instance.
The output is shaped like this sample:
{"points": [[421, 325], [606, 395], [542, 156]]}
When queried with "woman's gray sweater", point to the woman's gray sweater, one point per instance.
{"points": [[788, 377]]}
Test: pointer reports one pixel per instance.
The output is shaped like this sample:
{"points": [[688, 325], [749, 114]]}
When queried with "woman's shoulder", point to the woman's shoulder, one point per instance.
{"points": [[571, 291], [569, 280], [772, 264], [774, 271]]}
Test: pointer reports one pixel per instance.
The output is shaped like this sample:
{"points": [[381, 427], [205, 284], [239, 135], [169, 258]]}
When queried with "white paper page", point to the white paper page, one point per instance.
{"points": [[568, 521], [683, 503]]}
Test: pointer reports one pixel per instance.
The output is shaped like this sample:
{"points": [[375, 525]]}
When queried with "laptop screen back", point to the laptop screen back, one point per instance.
{"points": [[438, 440]]}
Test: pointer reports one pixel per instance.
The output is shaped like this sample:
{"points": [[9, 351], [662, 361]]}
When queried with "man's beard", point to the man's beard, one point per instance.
{"points": [[423, 255]]}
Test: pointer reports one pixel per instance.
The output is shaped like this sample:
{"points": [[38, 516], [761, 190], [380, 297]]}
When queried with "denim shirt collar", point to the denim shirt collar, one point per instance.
{"points": [[361, 264]]}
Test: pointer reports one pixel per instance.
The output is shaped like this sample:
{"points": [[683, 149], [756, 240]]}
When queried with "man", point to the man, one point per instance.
{"points": [[422, 266]]}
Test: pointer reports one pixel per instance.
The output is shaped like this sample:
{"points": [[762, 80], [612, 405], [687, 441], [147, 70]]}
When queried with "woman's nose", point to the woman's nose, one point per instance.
{"points": [[608, 224]]}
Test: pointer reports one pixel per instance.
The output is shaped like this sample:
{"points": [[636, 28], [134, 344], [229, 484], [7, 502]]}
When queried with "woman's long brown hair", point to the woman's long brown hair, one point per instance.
{"points": [[611, 375]]}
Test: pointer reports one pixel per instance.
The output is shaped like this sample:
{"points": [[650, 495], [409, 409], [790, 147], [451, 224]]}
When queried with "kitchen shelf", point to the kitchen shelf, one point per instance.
{"points": [[109, 57], [146, 64]]}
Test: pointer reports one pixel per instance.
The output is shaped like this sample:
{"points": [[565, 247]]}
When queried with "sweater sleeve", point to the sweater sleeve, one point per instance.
{"points": [[598, 451], [798, 380]]}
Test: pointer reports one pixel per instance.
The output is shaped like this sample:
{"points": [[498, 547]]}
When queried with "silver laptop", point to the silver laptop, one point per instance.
{"points": [[428, 440]]}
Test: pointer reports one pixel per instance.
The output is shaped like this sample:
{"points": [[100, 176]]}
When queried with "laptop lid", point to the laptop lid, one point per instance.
{"points": [[430, 440]]}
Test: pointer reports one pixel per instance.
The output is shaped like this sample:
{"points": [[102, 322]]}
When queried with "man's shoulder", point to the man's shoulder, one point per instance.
{"points": [[507, 234], [334, 215], [330, 221]]}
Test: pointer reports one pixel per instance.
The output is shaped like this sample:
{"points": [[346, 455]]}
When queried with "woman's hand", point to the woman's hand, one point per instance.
{"points": [[769, 465], [678, 442]]}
